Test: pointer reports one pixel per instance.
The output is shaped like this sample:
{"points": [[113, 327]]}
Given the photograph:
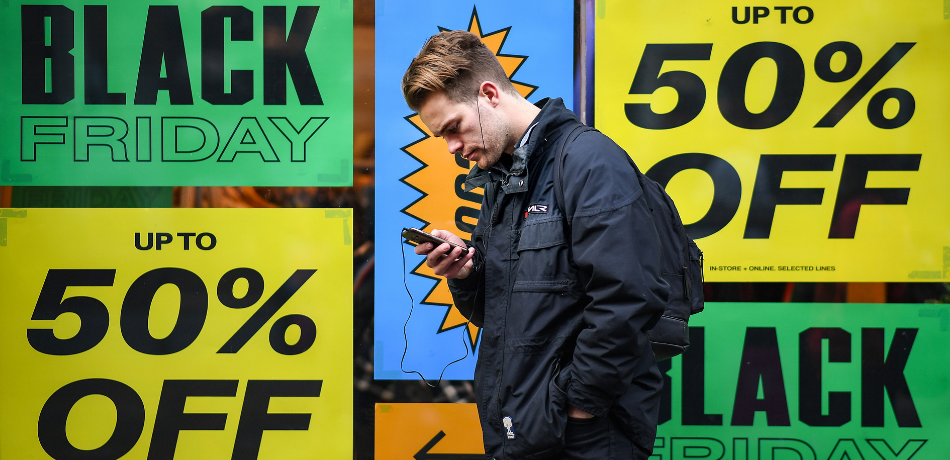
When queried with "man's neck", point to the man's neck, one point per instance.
{"points": [[522, 114], [527, 113]]}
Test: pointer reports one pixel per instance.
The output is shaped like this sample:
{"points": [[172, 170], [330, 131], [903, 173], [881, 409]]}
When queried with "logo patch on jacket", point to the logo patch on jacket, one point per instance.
{"points": [[508, 426], [536, 209]]}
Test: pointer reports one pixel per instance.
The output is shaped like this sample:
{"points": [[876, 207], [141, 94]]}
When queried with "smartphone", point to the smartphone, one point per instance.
{"points": [[418, 236]]}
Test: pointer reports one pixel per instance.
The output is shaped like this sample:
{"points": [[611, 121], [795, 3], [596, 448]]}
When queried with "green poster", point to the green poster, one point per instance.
{"points": [[809, 382], [92, 197], [118, 93]]}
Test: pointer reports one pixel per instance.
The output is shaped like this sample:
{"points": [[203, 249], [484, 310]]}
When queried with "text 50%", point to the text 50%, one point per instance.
{"points": [[790, 83], [193, 310]]}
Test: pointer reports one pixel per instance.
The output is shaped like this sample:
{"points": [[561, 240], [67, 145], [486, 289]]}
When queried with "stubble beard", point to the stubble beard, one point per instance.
{"points": [[495, 138]]}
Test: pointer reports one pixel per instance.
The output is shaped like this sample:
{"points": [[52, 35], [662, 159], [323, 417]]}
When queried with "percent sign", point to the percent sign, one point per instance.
{"points": [[860, 89], [255, 289]]}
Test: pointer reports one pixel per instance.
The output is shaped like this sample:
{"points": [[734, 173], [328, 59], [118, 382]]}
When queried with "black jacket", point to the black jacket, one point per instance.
{"points": [[563, 315]]}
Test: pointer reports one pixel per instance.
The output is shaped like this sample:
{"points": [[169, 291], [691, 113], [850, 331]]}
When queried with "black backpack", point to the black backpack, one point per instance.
{"points": [[682, 259]]}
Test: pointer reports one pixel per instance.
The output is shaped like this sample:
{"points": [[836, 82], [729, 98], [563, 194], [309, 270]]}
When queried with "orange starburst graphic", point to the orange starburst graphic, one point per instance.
{"points": [[444, 204]]}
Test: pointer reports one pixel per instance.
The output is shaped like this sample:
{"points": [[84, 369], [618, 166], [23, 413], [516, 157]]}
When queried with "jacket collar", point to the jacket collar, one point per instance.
{"points": [[515, 178]]}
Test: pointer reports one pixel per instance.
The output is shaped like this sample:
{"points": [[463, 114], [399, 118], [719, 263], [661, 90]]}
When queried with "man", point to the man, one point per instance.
{"points": [[565, 368]]}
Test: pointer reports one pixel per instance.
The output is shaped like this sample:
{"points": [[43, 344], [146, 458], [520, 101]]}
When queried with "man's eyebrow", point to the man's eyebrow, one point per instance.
{"points": [[438, 133]]}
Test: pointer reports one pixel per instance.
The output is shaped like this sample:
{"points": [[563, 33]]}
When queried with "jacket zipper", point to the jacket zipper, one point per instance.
{"points": [[504, 327]]}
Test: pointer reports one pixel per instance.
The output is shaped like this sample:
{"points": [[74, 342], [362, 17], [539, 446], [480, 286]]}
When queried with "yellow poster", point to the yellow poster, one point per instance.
{"points": [[800, 143], [176, 333]]}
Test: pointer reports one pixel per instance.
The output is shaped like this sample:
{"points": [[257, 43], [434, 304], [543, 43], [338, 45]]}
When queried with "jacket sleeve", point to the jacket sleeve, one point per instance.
{"points": [[617, 254], [468, 293]]}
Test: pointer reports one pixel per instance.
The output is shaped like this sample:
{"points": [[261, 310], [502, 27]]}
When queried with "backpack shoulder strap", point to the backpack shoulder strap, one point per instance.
{"points": [[559, 170]]}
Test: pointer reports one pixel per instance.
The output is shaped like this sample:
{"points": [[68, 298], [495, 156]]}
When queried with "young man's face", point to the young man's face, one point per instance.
{"points": [[465, 127]]}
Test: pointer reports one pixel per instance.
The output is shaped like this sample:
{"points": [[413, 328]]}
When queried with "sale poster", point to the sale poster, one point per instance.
{"points": [[428, 430], [176, 333], [795, 381], [800, 143], [418, 331], [166, 93]]}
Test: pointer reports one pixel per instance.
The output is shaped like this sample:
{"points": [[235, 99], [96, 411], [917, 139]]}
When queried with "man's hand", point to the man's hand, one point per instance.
{"points": [[445, 260], [574, 412]]}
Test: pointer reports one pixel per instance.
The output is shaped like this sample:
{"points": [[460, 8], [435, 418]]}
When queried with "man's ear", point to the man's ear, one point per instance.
{"points": [[491, 91]]}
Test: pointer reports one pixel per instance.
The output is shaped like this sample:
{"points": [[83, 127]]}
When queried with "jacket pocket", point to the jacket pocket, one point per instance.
{"points": [[542, 234], [533, 409], [542, 251], [544, 290]]}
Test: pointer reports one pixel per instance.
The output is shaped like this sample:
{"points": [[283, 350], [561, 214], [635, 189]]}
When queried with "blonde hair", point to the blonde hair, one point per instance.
{"points": [[454, 62]]}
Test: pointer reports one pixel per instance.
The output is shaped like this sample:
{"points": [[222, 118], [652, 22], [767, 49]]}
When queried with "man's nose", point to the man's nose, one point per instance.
{"points": [[454, 144]]}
